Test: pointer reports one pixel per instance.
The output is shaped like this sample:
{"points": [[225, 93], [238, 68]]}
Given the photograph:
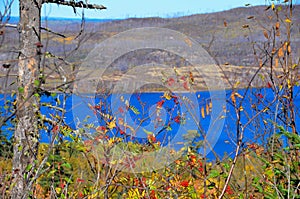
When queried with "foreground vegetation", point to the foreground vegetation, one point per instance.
{"points": [[75, 170]]}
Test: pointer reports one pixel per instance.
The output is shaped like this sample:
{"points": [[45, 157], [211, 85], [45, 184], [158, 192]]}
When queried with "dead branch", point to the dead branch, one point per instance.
{"points": [[79, 4]]}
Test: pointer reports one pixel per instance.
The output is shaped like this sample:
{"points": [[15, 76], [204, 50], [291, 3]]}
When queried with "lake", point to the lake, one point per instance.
{"points": [[169, 116]]}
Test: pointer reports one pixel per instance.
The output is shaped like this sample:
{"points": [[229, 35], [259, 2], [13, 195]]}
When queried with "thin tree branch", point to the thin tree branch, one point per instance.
{"points": [[42, 28], [8, 25], [79, 4], [55, 33]]}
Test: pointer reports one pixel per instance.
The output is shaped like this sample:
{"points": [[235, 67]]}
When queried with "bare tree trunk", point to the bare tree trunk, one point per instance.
{"points": [[26, 134]]}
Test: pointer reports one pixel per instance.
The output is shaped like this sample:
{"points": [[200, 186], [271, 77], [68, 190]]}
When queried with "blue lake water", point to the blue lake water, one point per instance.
{"points": [[169, 117]]}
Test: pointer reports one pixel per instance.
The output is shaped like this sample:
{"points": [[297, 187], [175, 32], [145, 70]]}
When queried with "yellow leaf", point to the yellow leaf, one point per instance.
{"points": [[238, 95], [127, 103], [289, 83], [112, 124], [167, 96], [58, 190], [236, 84], [265, 109], [288, 20], [273, 6], [285, 45], [148, 132]]}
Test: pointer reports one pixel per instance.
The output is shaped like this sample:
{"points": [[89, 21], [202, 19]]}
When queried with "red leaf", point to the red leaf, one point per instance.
{"points": [[229, 190], [193, 157], [79, 180], [153, 195], [177, 119], [170, 81], [186, 86], [39, 44], [80, 195], [201, 170], [55, 129], [62, 185], [88, 142], [97, 107], [160, 104], [269, 85], [184, 183], [101, 128], [136, 181], [121, 110], [152, 138], [260, 95]]}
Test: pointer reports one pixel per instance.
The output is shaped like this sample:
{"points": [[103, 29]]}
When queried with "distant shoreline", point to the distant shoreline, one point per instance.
{"points": [[15, 19]]}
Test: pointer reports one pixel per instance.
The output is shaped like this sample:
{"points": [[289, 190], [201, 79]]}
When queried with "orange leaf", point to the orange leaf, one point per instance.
{"points": [[276, 62], [277, 33], [188, 42], [207, 109], [260, 63], [266, 34], [202, 112], [289, 49], [280, 52], [192, 78], [277, 26], [233, 98]]}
